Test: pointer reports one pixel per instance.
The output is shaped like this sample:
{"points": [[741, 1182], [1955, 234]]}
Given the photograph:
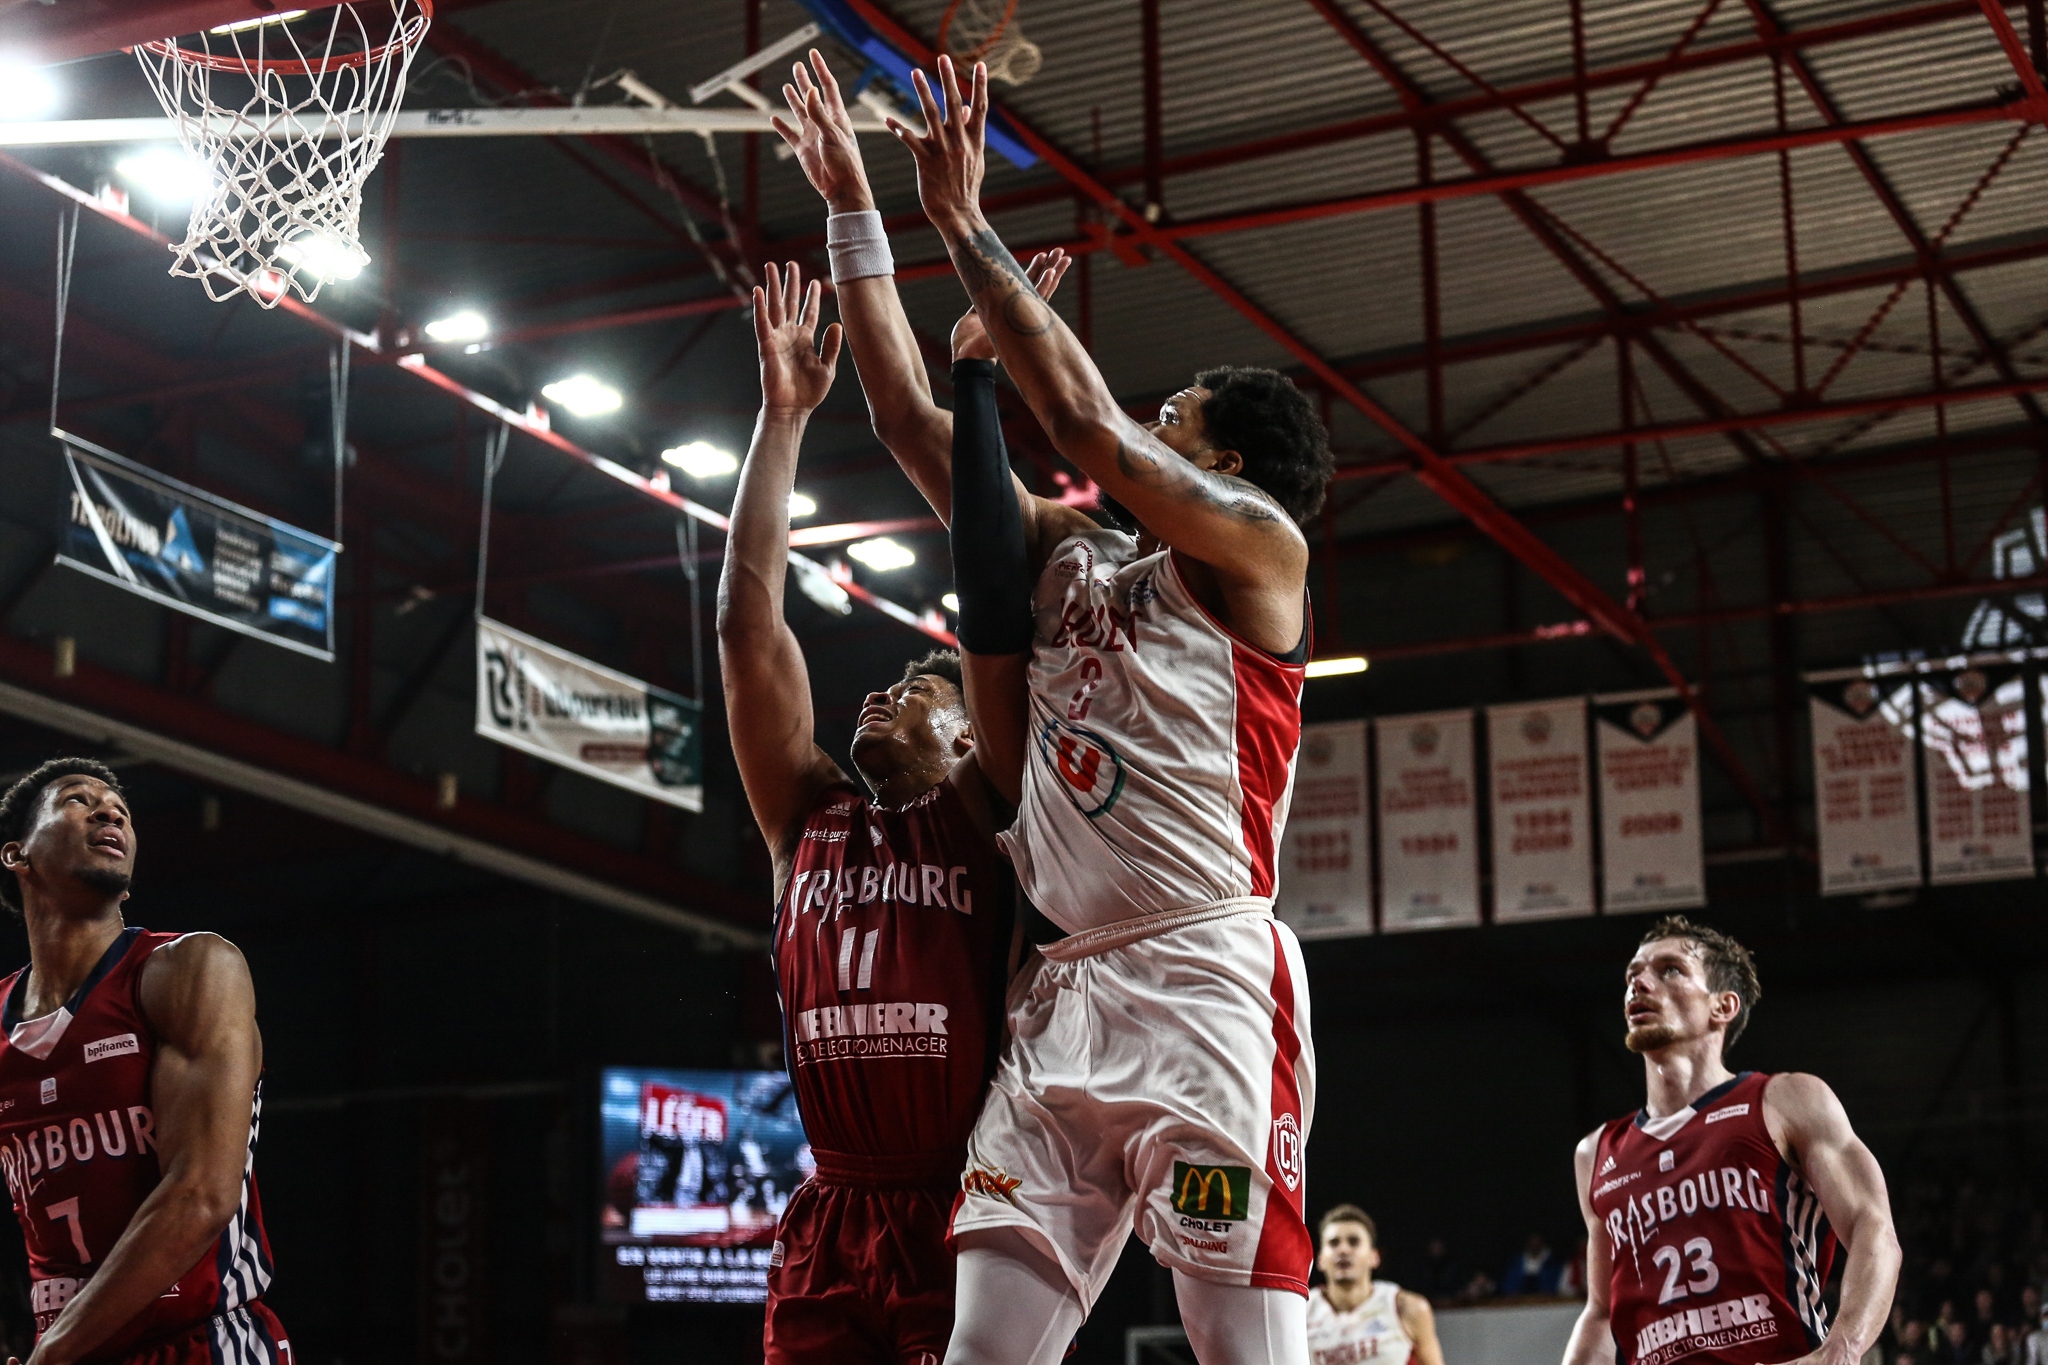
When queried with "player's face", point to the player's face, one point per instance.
{"points": [[82, 835], [1347, 1254], [919, 720], [1668, 999]]}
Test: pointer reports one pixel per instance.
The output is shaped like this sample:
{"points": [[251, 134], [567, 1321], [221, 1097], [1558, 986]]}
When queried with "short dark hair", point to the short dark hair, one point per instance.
{"points": [[940, 663], [1263, 417], [1728, 964], [18, 806], [1347, 1213]]}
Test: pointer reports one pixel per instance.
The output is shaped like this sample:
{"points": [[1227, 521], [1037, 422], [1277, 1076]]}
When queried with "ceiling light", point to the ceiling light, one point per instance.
{"points": [[467, 325], [802, 504], [1334, 668], [584, 396], [951, 602], [244, 25], [164, 174], [702, 460], [25, 92], [882, 554], [324, 255]]}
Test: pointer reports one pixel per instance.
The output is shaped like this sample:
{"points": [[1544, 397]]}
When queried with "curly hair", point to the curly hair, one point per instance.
{"points": [[1263, 417], [18, 805], [1728, 965], [940, 663]]}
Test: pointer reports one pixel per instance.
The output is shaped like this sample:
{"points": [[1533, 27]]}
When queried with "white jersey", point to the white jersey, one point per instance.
{"points": [[1163, 745], [1370, 1332]]}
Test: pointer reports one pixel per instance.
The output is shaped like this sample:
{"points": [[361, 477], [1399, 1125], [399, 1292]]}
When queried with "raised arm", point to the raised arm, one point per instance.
{"points": [[767, 690], [1194, 504], [200, 1003], [1807, 1118], [1592, 1339]]}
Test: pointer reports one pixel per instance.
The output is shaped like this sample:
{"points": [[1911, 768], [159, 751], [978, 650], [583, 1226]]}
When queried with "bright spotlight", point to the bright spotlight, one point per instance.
{"points": [[328, 257], [882, 554], [467, 325], [165, 174], [802, 505], [584, 395], [1333, 668], [951, 602], [25, 91], [244, 25], [703, 460]]}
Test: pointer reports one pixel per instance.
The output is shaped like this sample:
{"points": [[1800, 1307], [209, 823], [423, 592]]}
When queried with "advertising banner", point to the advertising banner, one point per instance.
{"points": [[1542, 810], [1429, 823], [1651, 857], [1974, 747], [1325, 869], [606, 725], [1867, 804], [188, 550]]}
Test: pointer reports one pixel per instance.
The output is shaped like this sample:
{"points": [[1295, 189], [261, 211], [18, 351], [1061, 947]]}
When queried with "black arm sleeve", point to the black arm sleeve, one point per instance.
{"points": [[990, 571]]}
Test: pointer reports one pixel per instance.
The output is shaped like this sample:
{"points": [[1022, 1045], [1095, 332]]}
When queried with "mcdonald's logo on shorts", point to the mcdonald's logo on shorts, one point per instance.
{"points": [[1219, 1193]]}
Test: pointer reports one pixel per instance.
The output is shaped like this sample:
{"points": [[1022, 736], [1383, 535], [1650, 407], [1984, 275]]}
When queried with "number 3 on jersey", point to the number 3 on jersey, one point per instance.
{"points": [[1704, 1276]]}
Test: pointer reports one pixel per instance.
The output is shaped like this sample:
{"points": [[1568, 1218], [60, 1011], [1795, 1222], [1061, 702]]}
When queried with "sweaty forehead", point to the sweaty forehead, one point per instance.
{"points": [[90, 786], [1667, 950]]}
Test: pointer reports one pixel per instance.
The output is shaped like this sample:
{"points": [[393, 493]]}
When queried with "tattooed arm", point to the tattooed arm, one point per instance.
{"points": [[1192, 502]]}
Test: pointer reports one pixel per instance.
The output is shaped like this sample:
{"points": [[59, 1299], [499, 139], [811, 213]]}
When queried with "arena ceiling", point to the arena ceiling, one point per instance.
{"points": [[1712, 315]]}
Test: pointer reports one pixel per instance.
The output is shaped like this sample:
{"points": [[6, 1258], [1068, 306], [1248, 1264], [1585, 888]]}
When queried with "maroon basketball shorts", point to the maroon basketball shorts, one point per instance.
{"points": [[249, 1335], [861, 1274]]}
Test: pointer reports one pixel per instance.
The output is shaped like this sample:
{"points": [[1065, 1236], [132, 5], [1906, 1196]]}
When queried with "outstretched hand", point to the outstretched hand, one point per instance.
{"points": [[950, 151], [970, 338], [821, 135], [796, 368]]}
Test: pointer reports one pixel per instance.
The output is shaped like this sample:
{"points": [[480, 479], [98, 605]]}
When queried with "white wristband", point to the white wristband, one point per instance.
{"points": [[858, 246]]}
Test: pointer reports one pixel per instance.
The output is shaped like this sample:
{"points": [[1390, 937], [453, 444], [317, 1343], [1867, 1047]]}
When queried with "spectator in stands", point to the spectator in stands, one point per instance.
{"points": [[1955, 1345], [1909, 1339], [1442, 1279], [1536, 1271], [2037, 1341], [1983, 1316], [1999, 1347], [2030, 1309]]}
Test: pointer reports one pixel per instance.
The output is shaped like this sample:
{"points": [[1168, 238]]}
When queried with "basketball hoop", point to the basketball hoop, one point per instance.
{"points": [[289, 116]]}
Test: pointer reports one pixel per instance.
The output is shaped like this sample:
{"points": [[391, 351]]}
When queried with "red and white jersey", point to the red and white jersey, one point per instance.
{"points": [[891, 956], [1163, 745], [78, 1145], [1373, 1331], [1720, 1248]]}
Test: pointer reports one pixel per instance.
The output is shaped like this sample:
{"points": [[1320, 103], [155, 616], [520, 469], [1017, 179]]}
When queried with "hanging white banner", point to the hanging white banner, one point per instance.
{"points": [[1866, 803], [1325, 856], [1974, 745], [1542, 810], [1429, 828], [554, 705], [1650, 852]]}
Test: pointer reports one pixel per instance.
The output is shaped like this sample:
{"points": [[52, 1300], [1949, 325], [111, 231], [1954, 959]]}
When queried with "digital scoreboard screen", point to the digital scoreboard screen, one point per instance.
{"points": [[697, 1168]]}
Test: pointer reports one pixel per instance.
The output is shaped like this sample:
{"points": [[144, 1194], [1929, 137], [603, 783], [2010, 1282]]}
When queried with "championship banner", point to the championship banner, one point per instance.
{"points": [[533, 696], [1325, 867], [1429, 826], [1542, 810], [1650, 849], [1867, 804], [1973, 726], [186, 549]]}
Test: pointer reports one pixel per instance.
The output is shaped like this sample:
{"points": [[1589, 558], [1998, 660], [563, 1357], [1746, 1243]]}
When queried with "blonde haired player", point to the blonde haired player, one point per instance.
{"points": [[1353, 1317]]}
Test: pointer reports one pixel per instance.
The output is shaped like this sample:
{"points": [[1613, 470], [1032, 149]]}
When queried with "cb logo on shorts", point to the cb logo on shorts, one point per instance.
{"points": [[1087, 767], [1287, 1151]]}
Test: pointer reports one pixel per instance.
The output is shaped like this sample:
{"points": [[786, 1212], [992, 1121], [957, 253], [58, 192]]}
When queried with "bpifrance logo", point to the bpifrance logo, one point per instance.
{"points": [[1287, 1151], [1088, 769], [1219, 1193]]}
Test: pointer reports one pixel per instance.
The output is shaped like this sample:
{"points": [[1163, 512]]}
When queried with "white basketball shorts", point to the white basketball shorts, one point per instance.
{"points": [[1157, 1072]]}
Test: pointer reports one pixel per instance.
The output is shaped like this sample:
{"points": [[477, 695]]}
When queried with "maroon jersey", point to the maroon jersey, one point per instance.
{"points": [[890, 948], [78, 1145], [1720, 1250]]}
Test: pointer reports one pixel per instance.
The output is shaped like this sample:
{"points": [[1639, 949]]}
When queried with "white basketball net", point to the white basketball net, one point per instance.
{"points": [[288, 119]]}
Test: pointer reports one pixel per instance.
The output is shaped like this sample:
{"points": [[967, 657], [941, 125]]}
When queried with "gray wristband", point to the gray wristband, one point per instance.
{"points": [[858, 246]]}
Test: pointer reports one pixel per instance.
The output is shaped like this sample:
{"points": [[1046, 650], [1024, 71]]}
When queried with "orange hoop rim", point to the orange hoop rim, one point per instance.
{"points": [[406, 36]]}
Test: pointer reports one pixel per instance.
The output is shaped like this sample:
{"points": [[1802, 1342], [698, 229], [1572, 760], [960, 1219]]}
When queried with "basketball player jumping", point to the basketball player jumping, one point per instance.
{"points": [[893, 930], [1354, 1317], [130, 1097], [1159, 1066], [1712, 1213]]}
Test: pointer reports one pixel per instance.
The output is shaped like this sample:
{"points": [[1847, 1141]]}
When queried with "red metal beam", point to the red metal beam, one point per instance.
{"points": [[2016, 53]]}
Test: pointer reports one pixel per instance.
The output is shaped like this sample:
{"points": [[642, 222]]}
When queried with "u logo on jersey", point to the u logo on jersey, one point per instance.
{"points": [[1089, 771]]}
